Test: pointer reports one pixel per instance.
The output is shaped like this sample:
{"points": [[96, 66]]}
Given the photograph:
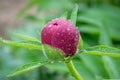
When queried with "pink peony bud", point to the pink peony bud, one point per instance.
{"points": [[62, 34]]}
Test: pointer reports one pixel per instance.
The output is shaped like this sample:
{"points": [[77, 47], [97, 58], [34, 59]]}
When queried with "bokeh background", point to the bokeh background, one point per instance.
{"points": [[98, 22]]}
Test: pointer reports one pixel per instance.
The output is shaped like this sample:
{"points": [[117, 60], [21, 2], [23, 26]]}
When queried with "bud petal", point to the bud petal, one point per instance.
{"points": [[62, 34]]}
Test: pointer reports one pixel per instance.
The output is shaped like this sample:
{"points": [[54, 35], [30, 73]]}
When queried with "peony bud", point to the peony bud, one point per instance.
{"points": [[62, 34]]}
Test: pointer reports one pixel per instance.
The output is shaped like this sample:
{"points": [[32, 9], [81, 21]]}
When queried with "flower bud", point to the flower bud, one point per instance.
{"points": [[62, 34]]}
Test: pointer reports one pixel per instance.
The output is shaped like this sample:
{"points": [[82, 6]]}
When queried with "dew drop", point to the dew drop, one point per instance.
{"points": [[69, 44], [52, 61], [39, 63], [50, 26], [62, 47], [69, 49], [59, 61], [83, 50], [58, 33], [64, 23], [62, 40], [68, 29]]}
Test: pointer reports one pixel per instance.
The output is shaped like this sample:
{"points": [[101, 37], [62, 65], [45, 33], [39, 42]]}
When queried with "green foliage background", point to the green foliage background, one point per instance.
{"points": [[99, 24]]}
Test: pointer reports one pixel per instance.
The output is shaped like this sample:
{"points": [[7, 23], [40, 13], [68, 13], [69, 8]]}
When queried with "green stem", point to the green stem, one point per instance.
{"points": [[73, 70]]}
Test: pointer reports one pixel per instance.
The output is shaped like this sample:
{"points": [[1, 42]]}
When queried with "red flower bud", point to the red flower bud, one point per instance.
{"points": [[62, 34]]}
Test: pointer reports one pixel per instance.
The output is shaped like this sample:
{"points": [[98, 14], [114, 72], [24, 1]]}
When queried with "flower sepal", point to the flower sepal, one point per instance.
{"points": [[52, 53]]}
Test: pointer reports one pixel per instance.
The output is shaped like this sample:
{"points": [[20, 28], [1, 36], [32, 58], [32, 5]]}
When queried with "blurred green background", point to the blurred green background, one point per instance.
{"points": [[98, 22]]}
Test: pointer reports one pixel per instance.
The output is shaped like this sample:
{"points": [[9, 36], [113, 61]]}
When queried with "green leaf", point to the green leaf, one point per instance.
{"points": [[91, 29], [90, 19], [103, 51], [24, 44], [27, 67], [94, 64], [74, 15], [26, 37], [73, 20], [105, 38], [112, 67], [103, 16], [80, 44], [83, 70], [53, 54], [64, 15], [57, 66]]}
